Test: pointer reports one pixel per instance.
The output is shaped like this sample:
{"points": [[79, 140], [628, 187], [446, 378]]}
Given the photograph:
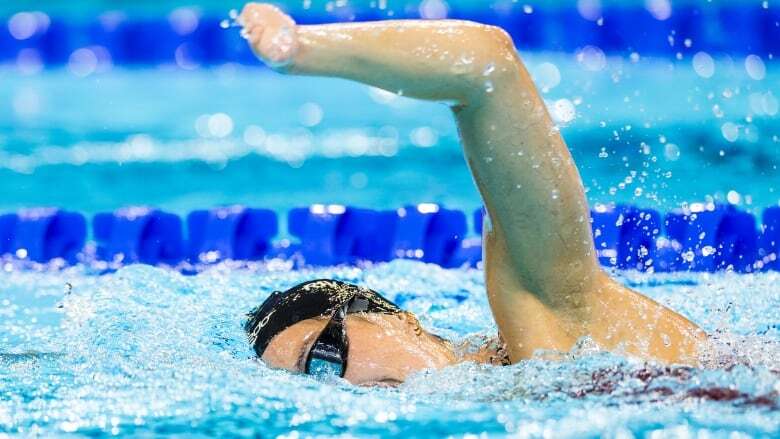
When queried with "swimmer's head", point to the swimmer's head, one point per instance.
{"points": [[326, 327]]}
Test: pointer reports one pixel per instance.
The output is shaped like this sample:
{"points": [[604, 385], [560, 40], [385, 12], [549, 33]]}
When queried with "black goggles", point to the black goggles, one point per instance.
{"points": [[328, 355]]}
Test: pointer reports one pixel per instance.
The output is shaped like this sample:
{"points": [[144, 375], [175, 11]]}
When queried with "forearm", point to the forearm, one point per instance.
{"points": [[522, 166], [436, 60]]}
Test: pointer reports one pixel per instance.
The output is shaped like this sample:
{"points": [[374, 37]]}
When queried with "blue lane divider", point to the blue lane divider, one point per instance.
{"points": [[189, 39], [700, 238], [429, 233], [317, 227], [770, 239], [470, 251], [636, 247], [7, 229], [43, 234], [605, 223], [696, 233], [139, 234], [234, 232], [338, 234], [737, 242]]}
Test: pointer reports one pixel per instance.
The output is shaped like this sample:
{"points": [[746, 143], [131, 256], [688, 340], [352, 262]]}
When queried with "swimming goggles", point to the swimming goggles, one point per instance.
{"points": [[320, 298], [328, 355]]}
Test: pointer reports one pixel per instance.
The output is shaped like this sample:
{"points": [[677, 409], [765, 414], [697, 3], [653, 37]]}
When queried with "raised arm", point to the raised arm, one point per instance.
{"points": [[544, 283]]}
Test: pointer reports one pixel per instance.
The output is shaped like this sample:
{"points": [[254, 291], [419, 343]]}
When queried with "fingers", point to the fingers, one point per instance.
{"points": [[255, 13], [256, 34]]}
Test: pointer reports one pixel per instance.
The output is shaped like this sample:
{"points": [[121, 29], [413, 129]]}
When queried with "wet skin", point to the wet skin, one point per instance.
{"points": [[544, 284], [384, 349]]}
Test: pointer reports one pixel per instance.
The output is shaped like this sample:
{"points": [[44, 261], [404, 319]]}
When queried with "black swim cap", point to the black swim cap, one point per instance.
{"points": [[318, 298]]}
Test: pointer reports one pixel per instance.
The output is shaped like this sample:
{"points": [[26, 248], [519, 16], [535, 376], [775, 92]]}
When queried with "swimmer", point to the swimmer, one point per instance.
{"points": [[545, 286]]}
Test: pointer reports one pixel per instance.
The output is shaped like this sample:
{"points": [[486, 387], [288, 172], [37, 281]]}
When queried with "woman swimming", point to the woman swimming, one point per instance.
{"points": [[544, 284]]}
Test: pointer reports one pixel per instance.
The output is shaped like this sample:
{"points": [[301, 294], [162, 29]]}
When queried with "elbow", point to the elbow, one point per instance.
{"points": [[499, 40], [498, 58]]}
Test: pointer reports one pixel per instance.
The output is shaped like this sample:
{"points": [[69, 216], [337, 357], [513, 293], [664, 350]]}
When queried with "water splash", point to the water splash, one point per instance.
{"points": [[146, 351]]}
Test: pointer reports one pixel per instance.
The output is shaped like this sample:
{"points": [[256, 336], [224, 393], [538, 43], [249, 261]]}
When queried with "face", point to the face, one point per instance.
{"points": [[384, 349]]}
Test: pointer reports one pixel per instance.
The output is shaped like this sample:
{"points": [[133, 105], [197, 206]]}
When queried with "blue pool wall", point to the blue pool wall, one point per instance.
{"points": [[701, 237], [190, 40]]}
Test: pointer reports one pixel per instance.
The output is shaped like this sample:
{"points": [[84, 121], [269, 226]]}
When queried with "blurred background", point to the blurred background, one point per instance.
{"points": [[111, 103]]}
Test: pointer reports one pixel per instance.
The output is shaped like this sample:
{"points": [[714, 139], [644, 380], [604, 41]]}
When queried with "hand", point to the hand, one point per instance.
{"points": [[271, 33]]}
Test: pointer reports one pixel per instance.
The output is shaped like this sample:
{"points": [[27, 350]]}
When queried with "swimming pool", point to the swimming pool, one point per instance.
{"points": [[147, 351]]}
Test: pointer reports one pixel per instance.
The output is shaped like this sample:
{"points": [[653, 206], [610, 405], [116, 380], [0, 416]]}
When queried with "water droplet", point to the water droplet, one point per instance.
{"points": [[730, 131], [463, 64], [703, 65], [489, 86], [233, 14], [224, 24], [489, 69], [671, 152], [555, 194], [592, 58], [755, 67]]}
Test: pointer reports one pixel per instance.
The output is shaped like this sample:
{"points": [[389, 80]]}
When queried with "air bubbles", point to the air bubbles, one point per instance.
{"points": [[734, 197], [489, 69], [528, 9], [24, 25], [83, 62], [659, 9], [755, 67], [671, 152], [547, 76], [489, 87], [703, 65], [424, 137], [184, 21], [764, 104], [254, 136], [434, 9], [224, 24], [218, 125], [29, 62], [589, 9], [183, 55], [592, 58], [310, 114], [730, 131], [563, 111]]}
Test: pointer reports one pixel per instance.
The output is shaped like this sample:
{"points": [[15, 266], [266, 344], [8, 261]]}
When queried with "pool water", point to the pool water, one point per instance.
{"points": [[649, 132], [147, 351]]}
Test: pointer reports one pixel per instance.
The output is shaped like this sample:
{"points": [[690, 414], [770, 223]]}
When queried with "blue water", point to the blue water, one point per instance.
{"points": [[650, 132], [145, 351]]}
